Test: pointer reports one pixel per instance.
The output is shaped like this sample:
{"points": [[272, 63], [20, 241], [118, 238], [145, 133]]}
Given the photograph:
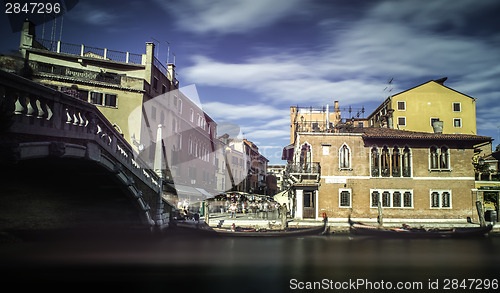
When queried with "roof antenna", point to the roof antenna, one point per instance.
{"points": [[168, 50]]}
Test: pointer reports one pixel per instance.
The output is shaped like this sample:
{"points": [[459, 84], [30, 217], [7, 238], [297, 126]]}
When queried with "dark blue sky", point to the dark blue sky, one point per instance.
{"points": [[251, 60]]}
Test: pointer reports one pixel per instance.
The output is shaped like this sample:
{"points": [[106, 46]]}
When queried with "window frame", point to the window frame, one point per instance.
{"points": [[404, 119], [404, 105], [460, 122], [349, 190], [439, 155], [105, 101], [96, 92], [342, 159], [390, 198], [440, 198], [459, 106]]}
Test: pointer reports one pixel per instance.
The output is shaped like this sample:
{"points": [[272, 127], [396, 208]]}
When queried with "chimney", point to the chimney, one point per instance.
{"points": [[171, 72], [336, 106], [150, 53], [437, 126], [27, 36]]}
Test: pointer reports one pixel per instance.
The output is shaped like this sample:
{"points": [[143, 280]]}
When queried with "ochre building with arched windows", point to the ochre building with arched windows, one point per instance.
{"points": [[415, 176]]}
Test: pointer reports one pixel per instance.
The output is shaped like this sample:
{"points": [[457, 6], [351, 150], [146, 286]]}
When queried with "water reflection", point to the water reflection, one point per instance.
{"points": [[252, 265]]}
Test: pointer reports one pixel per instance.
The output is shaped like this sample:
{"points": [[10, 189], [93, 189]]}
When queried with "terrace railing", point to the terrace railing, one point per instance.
{"points": [[87, 51]]}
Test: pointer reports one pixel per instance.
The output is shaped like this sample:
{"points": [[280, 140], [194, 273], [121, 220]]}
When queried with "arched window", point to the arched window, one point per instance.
{"points": [[406, 162], [434, 158], [396, 199], [305, 158], [446, 198], [444, 157], [407, 200], [386, 199], [439, 158], [375, 162], [385, 162], [344, 157], [396, 162], [435, 200], [375, 198]]}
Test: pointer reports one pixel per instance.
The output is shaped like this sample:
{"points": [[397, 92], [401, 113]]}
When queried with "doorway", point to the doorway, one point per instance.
{"points": [[309, 210]]}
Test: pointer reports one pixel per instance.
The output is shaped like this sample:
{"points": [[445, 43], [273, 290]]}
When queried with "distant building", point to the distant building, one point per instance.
{"points": [[277, 171], [313, 119], [256, 166], [417, 108], [231, 166]]}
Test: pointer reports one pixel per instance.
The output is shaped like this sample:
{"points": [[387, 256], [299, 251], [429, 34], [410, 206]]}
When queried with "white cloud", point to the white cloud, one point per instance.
{"points": [[233, 112], [93, 14], [353, 65], [227, 16]]}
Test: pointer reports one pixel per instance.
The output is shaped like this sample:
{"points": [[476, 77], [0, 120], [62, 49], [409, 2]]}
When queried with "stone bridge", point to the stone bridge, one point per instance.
{"points": [[64, 165]]}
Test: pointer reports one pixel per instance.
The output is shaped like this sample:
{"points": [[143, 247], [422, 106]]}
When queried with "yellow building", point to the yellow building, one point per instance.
{"points": [[116, 82], [417, 108]]}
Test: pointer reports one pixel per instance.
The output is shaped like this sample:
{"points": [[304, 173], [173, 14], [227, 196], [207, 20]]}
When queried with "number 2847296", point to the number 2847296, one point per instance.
{"points": [[32, 8]]}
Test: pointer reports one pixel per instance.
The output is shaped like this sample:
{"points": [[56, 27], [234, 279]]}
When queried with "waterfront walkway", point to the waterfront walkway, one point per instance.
{"points": [[336, 224]]}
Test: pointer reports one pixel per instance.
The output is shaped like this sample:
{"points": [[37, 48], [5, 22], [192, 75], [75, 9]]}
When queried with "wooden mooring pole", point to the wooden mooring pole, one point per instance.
{"points": [[480, 213]]}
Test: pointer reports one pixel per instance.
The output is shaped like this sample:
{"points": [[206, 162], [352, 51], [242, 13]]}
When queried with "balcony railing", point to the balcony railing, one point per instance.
{"points": [[87, 51], [488, 176], [305, 168], [79, 74]]}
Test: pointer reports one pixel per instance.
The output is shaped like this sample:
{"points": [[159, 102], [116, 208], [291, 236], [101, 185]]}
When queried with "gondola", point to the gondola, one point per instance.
{"points": [[253, 232], [290, 232], [358, 228]]}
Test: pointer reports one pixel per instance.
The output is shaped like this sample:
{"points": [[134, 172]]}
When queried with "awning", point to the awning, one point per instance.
{"points": [[204, 192], [185, 190], [282, 197], [287, 152]]}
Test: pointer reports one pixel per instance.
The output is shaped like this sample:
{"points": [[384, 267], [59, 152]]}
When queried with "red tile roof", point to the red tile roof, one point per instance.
{"points": [[373, 132]]}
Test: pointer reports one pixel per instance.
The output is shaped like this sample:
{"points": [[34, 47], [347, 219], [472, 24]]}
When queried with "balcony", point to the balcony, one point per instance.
{"points": [[41, 68], [87, 51], [301, 173]]}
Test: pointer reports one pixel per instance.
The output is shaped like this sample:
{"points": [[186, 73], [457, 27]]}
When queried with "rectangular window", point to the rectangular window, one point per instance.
{"points": [[326, 150], [440, 199], [457, 107], [457, 122], [110, 100], [345, 198], [83, 95], [433, 119], [391, 198], [401, 106], [96, 98], [155, 83], [402, 121]]}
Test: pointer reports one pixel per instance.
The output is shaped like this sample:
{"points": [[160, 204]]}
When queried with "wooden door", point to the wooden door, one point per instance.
{"points": [[309, 211]]}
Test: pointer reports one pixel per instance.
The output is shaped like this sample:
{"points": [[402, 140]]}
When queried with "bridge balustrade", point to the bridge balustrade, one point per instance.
{"points": [[33, 112]]}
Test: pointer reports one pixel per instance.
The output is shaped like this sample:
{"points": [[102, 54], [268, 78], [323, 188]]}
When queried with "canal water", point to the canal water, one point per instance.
{"points": [[188, 263]]}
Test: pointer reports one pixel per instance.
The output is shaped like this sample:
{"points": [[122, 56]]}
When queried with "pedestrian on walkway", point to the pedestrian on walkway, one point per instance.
{"points": [[233, 210]]}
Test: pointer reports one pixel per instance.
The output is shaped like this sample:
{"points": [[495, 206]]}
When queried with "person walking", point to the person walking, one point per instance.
{"points": [[233, 210]]}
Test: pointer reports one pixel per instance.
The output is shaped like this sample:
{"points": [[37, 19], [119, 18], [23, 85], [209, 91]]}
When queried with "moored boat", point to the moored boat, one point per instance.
{"points": [[358, 228], [235, 231]]}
